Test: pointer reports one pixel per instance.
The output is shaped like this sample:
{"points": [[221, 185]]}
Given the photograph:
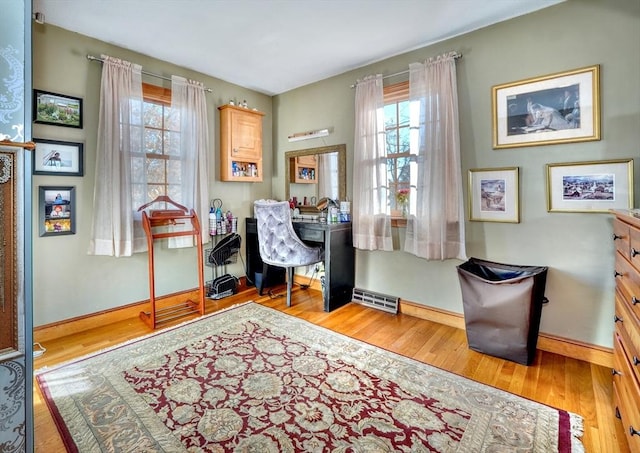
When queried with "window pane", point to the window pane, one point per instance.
{"points": [[404, 169], [173, 170], [392, 171], [152, 141], [155, 171], [171, 119], [172, 143], [153, 114], [154, 191], [392, 141], [403, 113], [174, 192], [404, 144], [390, 115], [137, 191]]}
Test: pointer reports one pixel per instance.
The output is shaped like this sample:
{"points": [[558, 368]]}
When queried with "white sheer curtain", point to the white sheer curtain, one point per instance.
{"points": [[188, 101], [328, 175], [436, 230], [371, 224], [120, 135]]}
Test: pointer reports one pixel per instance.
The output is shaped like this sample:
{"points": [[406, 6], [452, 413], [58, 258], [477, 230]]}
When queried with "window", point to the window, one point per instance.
{"points": [[400, 161], [161, 147]]}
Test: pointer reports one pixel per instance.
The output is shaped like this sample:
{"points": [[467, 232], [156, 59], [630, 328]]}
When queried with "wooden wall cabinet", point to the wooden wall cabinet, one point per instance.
{"points": [[626, 341], [303, 169], [240, 144]]}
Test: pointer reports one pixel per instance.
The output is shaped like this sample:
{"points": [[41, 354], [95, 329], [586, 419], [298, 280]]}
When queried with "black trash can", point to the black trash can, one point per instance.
{"points": [[502, 307]]}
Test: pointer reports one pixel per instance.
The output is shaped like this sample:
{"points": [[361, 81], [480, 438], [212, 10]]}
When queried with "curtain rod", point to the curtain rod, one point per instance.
{"points": [[92, 58], [457, 56]]}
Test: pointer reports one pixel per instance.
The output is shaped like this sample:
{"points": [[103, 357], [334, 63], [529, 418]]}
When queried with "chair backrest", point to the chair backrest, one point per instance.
{"points": [[279, 244]]}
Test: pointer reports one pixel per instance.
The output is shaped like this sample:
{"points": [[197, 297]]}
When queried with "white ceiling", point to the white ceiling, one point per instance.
{"points": [[273, 46]]}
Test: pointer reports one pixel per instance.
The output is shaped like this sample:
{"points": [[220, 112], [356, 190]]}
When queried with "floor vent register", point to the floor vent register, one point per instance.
{"points": [[376, 300]]}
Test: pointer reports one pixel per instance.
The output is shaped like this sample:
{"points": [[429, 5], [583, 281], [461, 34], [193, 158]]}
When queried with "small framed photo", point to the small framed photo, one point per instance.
{"points": [[546, 110], [53, 157], [57, 109], [57, 210], [590, 186], [494, 195]]}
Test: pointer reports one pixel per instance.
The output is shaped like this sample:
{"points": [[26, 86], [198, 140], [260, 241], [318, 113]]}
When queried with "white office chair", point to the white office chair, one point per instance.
{"points": [[278, 242]]}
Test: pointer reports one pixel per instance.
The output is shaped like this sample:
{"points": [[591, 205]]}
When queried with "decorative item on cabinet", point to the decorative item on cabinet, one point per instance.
{"points": [[626, 341], [240, 144]]}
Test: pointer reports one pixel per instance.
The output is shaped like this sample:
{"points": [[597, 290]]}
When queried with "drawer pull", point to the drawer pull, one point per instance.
{"points": [[615, 236], [616, 274], [633, 432], [636, 361], [615, 372], [634, 300], [634, 252], [616, 318]]}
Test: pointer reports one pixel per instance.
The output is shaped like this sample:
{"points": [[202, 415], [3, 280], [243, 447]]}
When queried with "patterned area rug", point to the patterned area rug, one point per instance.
{"points": [[253, 379]]}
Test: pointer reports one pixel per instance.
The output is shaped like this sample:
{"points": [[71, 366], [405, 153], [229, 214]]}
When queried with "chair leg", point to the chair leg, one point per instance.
{"points": [[289, 284], [265, 271]]}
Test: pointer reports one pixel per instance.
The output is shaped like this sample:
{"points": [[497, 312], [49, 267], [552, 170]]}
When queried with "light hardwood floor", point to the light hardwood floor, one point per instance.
{"points": [[555, 380]]}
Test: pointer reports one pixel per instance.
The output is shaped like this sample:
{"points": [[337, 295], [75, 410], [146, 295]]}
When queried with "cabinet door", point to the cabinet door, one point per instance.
{"points": [[309, 161], [246, 135]]}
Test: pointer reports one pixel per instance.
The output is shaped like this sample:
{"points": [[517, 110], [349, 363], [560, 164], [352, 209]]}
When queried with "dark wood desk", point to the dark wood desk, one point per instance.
{"points": [[339, 257]]}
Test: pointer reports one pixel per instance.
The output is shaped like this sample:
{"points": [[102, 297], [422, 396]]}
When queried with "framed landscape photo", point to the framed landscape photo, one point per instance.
{"points": [[494, 195], [546, 110], [57, 210], [54, 157], [590, 186], [57, 109]]}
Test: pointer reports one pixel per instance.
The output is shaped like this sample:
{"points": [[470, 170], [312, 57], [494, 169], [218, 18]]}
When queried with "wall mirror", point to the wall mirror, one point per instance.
{"points": [[314, 173]]}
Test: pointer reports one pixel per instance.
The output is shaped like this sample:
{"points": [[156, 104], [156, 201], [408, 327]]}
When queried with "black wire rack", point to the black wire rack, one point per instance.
{"points": [[225, 251]]}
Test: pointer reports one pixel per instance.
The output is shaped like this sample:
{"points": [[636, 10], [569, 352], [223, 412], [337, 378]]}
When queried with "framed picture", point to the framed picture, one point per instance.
{"points": [[590, 186], [546, 110], [57, 210], [53, 157], [494, 195], [57, 109]]}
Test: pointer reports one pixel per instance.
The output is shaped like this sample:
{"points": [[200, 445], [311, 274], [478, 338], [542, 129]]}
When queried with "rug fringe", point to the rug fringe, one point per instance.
{"points": [[577, 431], [143, 337]]}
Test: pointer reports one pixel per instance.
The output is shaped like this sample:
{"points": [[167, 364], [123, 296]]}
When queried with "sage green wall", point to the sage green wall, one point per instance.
{"points": [[67, 281], [576, 247]]}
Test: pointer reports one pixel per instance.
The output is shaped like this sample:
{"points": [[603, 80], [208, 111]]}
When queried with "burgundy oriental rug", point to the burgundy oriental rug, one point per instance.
{"points": [[253, 379]]}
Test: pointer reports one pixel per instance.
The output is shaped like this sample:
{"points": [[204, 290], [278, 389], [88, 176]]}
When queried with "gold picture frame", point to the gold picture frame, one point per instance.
{"points": [[557, 108], [595, 186], [494, 195]]}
